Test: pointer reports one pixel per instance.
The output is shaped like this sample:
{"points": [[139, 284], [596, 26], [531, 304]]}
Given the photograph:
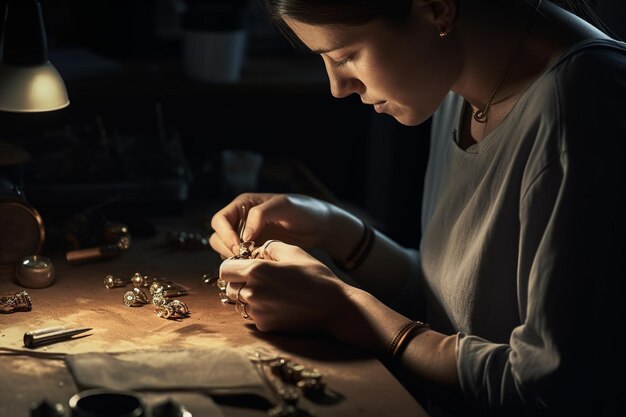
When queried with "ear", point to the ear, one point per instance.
{"points": [[441, 13]]}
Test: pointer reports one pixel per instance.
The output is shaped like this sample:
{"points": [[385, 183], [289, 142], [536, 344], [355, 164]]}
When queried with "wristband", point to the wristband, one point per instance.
{"points": [[360, 252], [397, 343]]}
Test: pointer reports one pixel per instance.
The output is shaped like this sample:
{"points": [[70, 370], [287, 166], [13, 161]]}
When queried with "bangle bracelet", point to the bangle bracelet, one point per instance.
{"points": [[361, 250], [397, 343]]}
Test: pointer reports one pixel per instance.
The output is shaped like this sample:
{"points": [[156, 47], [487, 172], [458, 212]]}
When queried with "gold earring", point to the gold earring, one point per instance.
{"points": [[443, 34]]}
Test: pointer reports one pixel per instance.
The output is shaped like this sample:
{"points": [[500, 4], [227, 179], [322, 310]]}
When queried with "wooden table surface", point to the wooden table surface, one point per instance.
{"points": [[78, 298]]}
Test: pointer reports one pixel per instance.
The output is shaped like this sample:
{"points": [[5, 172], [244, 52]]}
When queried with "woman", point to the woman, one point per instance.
{"points": [[518, 274]]}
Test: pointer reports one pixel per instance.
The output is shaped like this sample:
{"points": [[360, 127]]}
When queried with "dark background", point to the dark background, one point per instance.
{"points": [[121, 61]]}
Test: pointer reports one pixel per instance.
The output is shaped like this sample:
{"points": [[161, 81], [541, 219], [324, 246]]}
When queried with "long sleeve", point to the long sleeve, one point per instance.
{"points": [[523, 253]]}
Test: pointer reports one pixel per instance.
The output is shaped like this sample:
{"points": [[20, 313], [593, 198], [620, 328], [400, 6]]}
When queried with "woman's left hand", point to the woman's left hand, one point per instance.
{"points": [[286, 289]]}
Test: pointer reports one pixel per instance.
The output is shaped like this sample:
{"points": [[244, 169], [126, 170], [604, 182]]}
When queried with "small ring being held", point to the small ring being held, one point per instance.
{"points": [[260, 251]]}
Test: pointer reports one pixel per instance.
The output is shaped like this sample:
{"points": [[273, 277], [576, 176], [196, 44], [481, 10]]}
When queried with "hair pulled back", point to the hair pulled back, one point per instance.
{"points": [[357, 12]]}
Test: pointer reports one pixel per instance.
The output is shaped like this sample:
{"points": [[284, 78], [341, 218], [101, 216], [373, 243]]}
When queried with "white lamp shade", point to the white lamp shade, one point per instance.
{"points": [[26, 89]]}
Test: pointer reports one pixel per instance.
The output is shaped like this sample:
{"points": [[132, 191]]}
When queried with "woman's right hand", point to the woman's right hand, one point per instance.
{"points": [[292, 218]]}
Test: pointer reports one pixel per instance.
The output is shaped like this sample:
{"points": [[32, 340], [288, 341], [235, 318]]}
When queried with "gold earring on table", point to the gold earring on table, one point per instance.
{"points": [[113, 282], [135, 298]]}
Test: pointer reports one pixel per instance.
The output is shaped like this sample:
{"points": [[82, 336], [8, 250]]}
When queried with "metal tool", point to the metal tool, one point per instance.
{"points": [[243, 217], [48, 335]]}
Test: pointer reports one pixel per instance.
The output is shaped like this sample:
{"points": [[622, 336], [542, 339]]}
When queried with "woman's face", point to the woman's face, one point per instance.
{"points": [[405, 72]]}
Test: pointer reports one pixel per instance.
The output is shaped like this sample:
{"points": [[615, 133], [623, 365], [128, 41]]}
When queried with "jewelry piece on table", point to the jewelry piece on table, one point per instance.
{"points": [[135, 298], [113, 282], [164, 311], [167, 287], [139, 280], [158, 299], [20, 301], [308, 380], [180, 307], [173, 309]]}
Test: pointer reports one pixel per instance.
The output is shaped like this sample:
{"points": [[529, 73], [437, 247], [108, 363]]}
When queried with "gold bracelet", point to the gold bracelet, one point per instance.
{"points": [[397, 343]]}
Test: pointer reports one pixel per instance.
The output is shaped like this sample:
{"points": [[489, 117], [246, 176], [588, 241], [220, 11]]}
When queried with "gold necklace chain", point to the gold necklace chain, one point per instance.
{"points": [[481, 115]]}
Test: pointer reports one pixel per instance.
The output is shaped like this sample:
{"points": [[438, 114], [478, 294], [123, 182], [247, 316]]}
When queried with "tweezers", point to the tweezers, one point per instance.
{"points": [[243, 217], [50, 335]]}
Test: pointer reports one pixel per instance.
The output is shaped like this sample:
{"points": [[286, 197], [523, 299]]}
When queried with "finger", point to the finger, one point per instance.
{"points": [[235, 270], [271, 210], [218, 246], [233, 291], [225, 221], [260, 251], [223, 227]]}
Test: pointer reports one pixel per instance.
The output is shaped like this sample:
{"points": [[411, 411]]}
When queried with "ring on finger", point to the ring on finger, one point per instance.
{"points": [[244, 313], [238, 299], [260, 251]]}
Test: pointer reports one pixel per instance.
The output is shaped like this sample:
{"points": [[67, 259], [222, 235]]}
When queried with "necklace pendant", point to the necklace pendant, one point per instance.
{"points": [[480, 116]]}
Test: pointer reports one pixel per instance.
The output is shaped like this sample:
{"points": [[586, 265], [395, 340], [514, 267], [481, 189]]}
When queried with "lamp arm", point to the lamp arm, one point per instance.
{"points": [[23, 39]]}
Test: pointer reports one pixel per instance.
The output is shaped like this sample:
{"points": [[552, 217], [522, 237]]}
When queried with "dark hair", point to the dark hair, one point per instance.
{"points": [[329, 12], [357, 12]]}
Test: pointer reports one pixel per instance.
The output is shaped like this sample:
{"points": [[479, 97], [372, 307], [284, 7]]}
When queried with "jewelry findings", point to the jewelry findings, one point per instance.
{"points": [[168, 288], [246, 250], [161, 293], [139, 280], [174, 309], [20, 301], [113, 282], [481, 115], [135, 298], [288, 381]]}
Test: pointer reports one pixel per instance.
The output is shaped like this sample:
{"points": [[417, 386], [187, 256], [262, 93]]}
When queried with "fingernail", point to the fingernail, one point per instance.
{"points": [[235, 249], [247, 233]]}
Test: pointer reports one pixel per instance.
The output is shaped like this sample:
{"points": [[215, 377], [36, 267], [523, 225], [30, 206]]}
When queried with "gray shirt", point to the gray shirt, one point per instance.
{"points": [[523, 245]]}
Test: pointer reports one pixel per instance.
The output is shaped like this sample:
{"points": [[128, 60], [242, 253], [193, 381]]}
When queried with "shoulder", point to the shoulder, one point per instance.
{"points": [[582, 96], [574, 118], [592, 70]]}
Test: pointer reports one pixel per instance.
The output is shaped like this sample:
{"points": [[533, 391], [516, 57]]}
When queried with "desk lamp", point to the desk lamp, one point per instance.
{"points": [[28, 81]]}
